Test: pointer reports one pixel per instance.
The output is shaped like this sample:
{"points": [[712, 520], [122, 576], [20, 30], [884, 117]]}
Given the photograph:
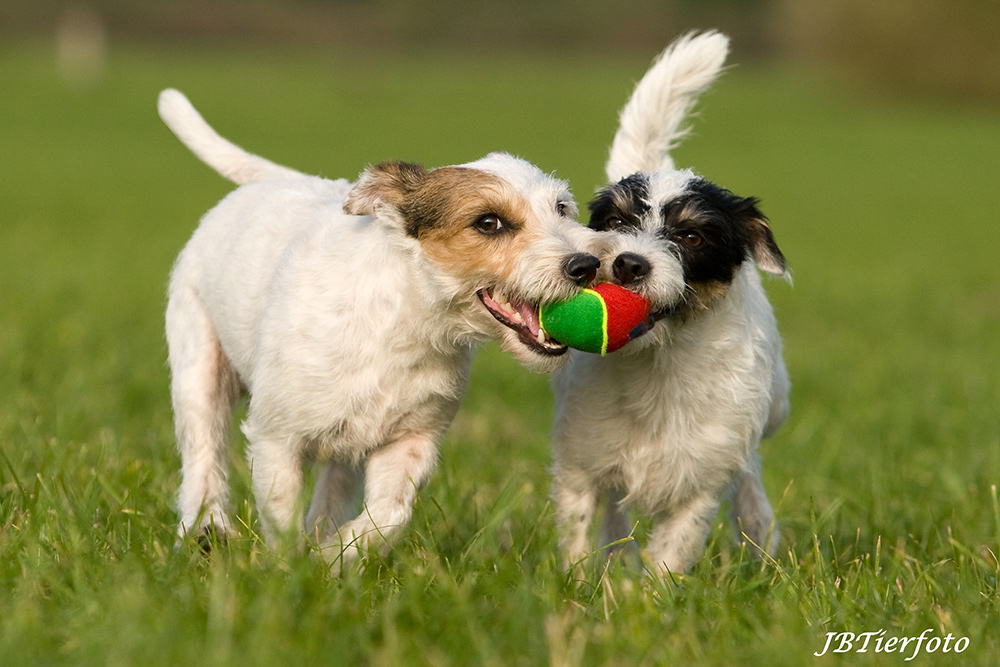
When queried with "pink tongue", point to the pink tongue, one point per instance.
{"points": [[529, 315]]}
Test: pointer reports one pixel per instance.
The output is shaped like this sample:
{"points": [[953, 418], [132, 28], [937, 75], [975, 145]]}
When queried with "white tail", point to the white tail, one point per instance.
{"points": [[225, 157], [650, 124]]}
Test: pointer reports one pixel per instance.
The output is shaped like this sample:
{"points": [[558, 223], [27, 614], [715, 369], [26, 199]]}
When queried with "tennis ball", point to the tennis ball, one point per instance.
{"points": [[601, 319]]}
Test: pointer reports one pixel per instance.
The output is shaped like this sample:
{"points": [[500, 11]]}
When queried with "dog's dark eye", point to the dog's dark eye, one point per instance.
{"points": [[613, 222], [562, 209], [489, 224], [693, 240]]}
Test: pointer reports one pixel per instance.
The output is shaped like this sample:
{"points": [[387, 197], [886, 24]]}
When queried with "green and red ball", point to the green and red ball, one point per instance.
{"points": [[599, 319]]}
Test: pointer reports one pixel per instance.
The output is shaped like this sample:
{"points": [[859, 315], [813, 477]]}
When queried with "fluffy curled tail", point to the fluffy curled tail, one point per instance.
{"points": [[225, 157], [650, 124]]}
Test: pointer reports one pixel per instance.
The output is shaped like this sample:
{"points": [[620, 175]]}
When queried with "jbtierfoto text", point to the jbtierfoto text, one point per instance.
{"points": [[877, 642]]}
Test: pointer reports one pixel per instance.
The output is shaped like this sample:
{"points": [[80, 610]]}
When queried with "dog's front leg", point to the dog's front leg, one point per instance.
{"points": [[393, 475], [276, 479], [575, 498], [678, 539], [616, 528]]}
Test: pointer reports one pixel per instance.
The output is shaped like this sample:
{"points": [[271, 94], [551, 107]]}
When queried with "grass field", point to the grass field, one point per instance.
{"points": [[884, 479]]}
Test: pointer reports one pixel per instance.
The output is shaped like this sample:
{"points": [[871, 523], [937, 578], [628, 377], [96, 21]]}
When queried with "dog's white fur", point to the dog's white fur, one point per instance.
{"points": [[670, 422], [350, 326], [650, 123]]}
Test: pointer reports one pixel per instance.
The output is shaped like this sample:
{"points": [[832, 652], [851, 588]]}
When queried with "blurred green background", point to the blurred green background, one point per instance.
{"points": [[871, 133], [943, 47]]}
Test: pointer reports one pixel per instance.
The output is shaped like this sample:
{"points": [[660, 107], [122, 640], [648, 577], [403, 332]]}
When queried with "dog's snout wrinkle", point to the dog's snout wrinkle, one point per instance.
{"points": [[629, 268], [582, 268]]}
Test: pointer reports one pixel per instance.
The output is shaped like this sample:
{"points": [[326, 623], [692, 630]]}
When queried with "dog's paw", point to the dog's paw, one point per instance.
{"points": [[345, 546], [207, 540]]}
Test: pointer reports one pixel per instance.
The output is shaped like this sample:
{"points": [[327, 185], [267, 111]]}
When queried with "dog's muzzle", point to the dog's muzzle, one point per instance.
{"points": [[522, 317]]}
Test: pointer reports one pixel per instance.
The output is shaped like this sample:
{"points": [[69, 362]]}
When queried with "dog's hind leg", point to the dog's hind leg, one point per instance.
{"points": [[335, 490], [393, 475], [203, 389], [753, 518]]}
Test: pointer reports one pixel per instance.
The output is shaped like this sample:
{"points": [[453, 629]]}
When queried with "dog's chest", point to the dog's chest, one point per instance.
{"points": [[382, 408], [683, 435], [383, 385], [349, 360], [672, 421]]}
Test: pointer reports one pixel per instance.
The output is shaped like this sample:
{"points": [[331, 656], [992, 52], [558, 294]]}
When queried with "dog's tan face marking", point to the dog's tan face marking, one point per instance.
{"points": [[701, 296], [479, 228], [499, 236], [469, 221], [472, 223]]}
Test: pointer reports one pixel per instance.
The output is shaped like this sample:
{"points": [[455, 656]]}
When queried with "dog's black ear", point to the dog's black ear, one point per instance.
{"points": [[764, 248], [386, 183], [744, 211]]}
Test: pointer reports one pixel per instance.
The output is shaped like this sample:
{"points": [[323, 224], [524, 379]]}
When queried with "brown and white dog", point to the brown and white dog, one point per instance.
{"points": [[349, 311], [672, 421]]}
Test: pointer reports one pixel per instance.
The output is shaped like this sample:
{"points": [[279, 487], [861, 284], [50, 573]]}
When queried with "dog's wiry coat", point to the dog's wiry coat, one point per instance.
{"points": [[348, 312], [672, 421]]}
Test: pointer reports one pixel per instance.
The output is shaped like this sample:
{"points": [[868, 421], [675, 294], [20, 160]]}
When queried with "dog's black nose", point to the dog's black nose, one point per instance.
{"points": [[581, 268], [630, 267]]}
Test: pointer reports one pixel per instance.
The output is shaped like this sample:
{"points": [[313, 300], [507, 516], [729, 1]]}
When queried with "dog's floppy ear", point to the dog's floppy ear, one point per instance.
{"points": [[764, 248], [386, 183], [744, 211]]}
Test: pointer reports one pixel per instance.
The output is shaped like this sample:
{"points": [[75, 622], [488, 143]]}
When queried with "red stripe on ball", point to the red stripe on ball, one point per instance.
{"points": [[626, 311]]}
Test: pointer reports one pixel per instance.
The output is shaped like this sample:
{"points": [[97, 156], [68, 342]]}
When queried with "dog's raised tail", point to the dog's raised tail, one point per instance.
{"points": [[225, 157], [650, 124]]}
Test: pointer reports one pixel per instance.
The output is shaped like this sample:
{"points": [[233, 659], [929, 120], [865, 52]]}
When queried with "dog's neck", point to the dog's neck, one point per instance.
{"points": [[688, 324]]}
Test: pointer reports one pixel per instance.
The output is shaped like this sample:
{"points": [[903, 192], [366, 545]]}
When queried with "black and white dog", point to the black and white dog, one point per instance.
{"points": [[671, 422]]}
